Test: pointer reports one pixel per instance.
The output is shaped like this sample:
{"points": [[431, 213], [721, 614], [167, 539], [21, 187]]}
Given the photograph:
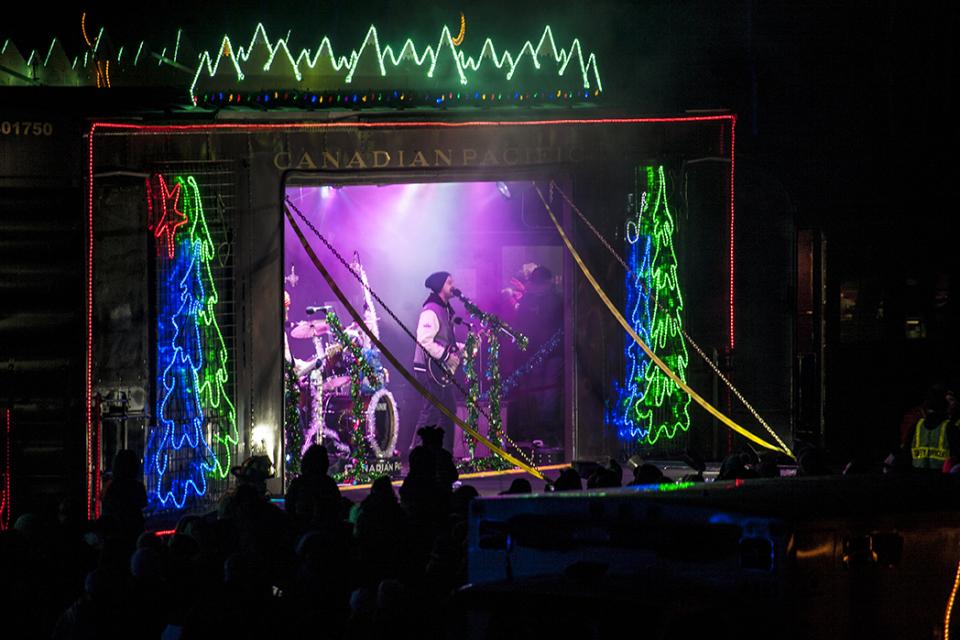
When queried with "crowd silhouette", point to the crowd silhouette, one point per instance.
{"points": [[323, 566]]}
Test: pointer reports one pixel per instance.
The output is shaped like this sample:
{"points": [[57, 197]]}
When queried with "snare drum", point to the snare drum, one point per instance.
{"points": [[335, 370]]}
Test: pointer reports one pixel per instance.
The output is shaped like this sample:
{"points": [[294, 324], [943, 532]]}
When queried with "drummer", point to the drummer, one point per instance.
{"points": [[372, 355], [300, 367]]}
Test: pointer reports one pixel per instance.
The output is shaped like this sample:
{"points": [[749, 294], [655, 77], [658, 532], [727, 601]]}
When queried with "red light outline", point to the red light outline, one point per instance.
{"points": [[201, 128], [6, 498], [98, 462], [733, 142], [89, 372]]}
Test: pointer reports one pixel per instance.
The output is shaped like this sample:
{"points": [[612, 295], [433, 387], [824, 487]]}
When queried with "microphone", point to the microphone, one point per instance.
{"points": [[312, 310], [457, 293]]}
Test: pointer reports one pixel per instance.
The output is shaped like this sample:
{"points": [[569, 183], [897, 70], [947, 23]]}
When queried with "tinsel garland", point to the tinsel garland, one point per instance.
{"points": [[316, 421], [494, 427], [359, 471], [535, 361], [372, 357], [355, 350], [473, 390], [391, 447], [292, 430]]}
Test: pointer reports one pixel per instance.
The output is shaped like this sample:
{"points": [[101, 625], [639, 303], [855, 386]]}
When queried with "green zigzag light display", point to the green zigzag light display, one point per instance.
{"points": [[266, 68], [323, 70], [95, 66]]}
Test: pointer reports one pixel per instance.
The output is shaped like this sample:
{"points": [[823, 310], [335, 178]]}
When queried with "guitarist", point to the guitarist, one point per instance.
{"points": [[435, 337]]}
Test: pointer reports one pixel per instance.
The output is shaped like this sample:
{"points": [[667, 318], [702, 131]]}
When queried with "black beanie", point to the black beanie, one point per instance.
{"points": [[435, 281]]}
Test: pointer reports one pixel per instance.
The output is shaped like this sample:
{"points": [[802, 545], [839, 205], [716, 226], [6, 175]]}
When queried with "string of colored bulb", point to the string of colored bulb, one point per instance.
{"points": [[355, 100]]}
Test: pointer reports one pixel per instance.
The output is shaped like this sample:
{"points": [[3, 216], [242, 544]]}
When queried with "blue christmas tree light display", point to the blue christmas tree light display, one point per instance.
{"points": [[193, 408]]}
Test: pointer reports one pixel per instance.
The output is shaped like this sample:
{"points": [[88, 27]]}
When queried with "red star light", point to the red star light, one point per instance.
{"points": [[171, 218]]}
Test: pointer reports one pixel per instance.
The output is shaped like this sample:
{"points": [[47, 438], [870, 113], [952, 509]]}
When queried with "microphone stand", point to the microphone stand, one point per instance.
{"points": [[493, 322]]}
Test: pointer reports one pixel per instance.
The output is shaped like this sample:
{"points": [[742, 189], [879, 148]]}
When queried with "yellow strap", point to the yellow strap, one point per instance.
{"points": [[663, 367], [396, 363]]}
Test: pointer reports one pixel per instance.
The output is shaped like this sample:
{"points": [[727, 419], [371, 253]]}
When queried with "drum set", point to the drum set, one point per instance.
{"points": [[325, 394]]}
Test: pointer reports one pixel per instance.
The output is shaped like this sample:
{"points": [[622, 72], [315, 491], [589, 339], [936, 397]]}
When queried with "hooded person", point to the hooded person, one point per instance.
{"points": [[432, 439], [437, 356]]}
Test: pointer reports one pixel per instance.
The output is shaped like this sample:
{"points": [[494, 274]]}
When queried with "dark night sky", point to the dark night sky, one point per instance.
{"points": [[840, 98]]}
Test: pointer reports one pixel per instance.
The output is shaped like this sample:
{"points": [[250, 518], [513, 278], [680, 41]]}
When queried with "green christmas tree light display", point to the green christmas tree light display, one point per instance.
{"points": [[214, 376], [661, 408]]}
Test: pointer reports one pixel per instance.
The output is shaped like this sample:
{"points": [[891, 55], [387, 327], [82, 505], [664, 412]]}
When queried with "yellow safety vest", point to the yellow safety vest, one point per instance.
{"points": [[930, 449]]}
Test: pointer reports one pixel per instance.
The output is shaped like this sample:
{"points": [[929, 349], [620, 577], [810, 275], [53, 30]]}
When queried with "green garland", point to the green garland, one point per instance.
{"points": [[473, 395], [292, 430], [495, 433], [355, 350], [359, 369], [359, 447]]}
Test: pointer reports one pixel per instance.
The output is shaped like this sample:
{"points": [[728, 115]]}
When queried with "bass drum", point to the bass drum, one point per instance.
{"points": [[380, 421]]}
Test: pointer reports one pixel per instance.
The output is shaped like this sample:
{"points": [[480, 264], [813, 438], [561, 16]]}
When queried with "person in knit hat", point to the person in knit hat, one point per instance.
{"points": [[437, 355]]}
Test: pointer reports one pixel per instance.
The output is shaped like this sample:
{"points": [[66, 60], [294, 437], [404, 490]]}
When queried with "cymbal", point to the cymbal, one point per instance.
{"points": [[309, 329], [335, 382]]}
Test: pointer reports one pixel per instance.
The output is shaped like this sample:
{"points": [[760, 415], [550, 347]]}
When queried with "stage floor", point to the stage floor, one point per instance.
{"points": [[491, 483]]}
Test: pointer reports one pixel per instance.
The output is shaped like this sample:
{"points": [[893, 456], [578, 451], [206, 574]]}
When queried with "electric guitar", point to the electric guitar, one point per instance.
{"points": [[442, 370]]}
